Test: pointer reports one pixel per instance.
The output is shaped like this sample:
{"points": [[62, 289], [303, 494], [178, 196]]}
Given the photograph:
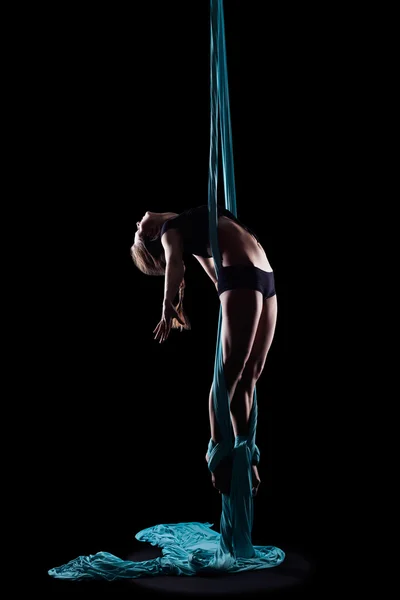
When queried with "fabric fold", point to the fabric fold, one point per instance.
{"points": [[187, 549]]}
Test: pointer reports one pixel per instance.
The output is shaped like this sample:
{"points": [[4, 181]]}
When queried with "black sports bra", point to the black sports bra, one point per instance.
{"points": [[193, 227]]}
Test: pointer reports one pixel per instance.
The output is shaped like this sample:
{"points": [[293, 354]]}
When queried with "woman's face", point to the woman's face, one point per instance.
{"points": [[147, 226]]}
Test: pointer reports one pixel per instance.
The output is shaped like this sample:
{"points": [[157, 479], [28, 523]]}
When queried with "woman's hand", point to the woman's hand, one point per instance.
{"points": [[256, 479], [221, 478], [164, 326]]}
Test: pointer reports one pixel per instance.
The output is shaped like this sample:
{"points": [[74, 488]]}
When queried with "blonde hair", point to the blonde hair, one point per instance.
{"points": [[149, 258]]}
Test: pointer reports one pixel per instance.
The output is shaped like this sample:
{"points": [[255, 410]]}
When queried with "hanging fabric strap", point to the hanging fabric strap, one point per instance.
{"points": [[237, 507]]}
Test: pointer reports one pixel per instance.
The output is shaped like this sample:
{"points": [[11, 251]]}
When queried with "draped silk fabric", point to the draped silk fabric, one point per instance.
{"points": [[187, 549], [237, 507], [191, 548]]}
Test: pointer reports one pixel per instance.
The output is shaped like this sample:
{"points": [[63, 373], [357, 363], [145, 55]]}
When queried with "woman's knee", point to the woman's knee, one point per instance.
{"points": [[234, 366], [251, 373]]}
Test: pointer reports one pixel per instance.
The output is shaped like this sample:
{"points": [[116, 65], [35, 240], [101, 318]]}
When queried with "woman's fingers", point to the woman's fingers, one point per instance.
{"points": [[165, 332], [159, 330], [168, 329], [163, 328], [162, 332]]}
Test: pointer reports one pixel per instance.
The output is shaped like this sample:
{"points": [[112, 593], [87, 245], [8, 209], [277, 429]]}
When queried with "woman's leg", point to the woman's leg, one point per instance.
{"points": [[242, 401], [213, 420], [244, 393], [241, 312]]}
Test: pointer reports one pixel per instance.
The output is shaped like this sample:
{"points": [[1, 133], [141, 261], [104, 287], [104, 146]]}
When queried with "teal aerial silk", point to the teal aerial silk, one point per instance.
{"points": [[191, 548], [237, 507]]}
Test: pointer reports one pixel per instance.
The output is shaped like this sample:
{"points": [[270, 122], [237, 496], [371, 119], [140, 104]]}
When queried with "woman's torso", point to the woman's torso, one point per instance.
{"points": [[237, 243], [238, 246]]}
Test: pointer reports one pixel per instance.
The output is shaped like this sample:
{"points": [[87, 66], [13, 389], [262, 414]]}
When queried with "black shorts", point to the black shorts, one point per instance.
{"points": [[246, 276]]}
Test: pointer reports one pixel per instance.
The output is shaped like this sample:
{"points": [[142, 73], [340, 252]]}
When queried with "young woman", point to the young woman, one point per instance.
{"points": [[247, 294]]}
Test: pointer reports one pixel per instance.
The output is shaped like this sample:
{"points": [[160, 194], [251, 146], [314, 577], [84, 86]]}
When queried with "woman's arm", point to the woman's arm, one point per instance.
{"points": [[208, 266], [174, 273], [175, 269]]}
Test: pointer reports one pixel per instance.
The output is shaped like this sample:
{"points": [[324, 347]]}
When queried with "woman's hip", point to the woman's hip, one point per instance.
{"points": [[246, 276]]}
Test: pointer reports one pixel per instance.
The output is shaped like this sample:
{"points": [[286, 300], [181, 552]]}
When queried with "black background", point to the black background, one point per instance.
{"points": [[119, 125]]}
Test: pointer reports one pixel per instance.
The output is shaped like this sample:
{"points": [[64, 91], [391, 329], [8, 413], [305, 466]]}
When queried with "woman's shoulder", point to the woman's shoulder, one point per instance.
{"points": [[184, 217], [171, 223]]}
